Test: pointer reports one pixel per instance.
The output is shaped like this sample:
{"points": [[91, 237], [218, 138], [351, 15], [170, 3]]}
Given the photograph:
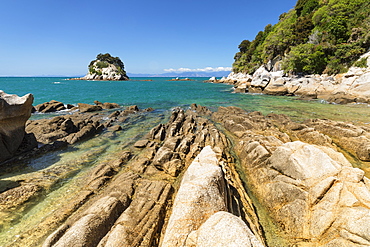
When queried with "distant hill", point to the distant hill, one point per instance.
{"points": [[184, 74], [317, 36]]}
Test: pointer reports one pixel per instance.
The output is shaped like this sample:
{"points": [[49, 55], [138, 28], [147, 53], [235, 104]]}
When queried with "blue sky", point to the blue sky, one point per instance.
{"points": [[61, 37]]}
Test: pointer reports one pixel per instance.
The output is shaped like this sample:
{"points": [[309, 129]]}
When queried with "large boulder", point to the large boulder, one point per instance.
{"points": [[14, 112], [201, 194], [312, 193], [229, 229]]}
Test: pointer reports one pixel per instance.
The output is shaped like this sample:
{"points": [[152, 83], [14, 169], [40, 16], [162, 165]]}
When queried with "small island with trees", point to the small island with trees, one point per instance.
{"points": [[106, 68]]}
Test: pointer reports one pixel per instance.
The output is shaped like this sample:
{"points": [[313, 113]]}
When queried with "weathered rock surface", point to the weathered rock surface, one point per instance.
{"points": [[185, 183], [51, 106], [311, 192], [75, 127], [202, 193], [350, 87], [229, 229], [142, 191], [14, 112]]}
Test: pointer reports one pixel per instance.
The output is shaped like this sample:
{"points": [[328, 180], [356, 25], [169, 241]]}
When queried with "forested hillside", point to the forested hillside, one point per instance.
{"points": [[317, 36]]}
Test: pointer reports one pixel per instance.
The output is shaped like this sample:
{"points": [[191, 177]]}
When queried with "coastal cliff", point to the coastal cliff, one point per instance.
{"points": [[106, 68], [350, 87], [318, 49]]}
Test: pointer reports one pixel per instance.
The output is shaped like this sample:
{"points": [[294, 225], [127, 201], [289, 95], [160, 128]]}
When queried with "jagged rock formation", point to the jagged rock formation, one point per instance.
{"points": [[197, 210], [106, 68], [311, 192], [135, 204], [187, 182], [78, 126], [14, 112], [350, 87]]}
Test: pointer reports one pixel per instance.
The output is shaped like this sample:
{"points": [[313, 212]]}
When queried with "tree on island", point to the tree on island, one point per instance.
{"points": [[106, 67]]}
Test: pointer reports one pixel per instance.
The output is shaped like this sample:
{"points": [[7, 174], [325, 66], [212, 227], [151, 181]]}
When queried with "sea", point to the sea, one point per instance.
{"points": [[61, 173], [163, 94]]}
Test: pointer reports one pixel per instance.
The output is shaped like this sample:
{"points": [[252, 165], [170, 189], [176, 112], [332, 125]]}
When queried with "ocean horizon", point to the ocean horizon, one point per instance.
{"points": [[163, 94]]}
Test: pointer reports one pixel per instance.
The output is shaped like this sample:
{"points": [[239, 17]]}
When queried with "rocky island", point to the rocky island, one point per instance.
{"points": [[106, 68]]}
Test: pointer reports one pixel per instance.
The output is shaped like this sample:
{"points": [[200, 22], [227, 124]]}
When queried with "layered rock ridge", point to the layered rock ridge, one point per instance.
{"points": [[14, 112], [134, 208], [225, 178], [312, 193]]}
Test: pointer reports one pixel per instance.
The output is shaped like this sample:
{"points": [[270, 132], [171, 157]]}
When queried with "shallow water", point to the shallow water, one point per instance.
{"points": [[61, 172]]}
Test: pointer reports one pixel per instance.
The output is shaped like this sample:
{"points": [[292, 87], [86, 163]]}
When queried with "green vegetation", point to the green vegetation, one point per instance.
{"points": [[102, 64], [362, 63], [103, 61], [317, 36]]}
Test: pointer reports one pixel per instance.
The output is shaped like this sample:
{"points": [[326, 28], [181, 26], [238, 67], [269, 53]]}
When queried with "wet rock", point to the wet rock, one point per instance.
{"points": [[115, 128], [16, 197], [139, 223], [89, 229], [106, 105], [14, 112], [51, 106], [141, 143], [88, 108]]}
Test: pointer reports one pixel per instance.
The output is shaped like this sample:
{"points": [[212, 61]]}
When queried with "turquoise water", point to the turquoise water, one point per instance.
{"points": [[162, 94], [61, 173]]}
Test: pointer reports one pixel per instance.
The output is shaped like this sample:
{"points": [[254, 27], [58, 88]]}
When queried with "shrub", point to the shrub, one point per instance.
{"points": [[102, 64], [362, 63]]}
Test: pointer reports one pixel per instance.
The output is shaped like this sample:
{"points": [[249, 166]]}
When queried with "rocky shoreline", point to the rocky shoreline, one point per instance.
{"points": [[247, 178], [350, 87]]}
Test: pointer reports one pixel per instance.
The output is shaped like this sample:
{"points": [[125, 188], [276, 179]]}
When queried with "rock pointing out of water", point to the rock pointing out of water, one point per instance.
{"points": [[202, 193], [14, 112]]}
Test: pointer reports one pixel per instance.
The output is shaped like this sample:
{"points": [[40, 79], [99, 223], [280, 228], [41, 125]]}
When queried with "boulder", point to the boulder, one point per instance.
{"points": [[14, 112], [312, 193], [51, 106], [107, 105], [88, 108], [229, 229], [276, 87], [201, 194], [96, 222]]}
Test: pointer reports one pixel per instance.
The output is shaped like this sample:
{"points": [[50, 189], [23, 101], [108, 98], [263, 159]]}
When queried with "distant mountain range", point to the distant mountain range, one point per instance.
{"points": [[183, 74]]}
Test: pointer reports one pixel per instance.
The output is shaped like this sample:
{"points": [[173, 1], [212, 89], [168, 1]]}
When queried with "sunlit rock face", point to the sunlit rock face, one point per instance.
{"points": [[14, 112]]}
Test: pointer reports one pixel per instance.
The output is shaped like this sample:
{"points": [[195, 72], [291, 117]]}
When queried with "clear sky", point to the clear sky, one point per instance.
{"points": [[61, 37]]}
